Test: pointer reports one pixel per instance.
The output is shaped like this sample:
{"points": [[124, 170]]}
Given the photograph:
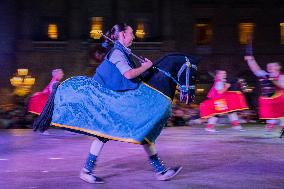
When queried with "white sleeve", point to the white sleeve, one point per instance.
{"points": [[261, 73], [219, 85]]}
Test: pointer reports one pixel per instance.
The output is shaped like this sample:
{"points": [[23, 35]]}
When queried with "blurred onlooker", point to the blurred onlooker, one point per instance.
{"points": [[178, 117], [96, 56], [39, 99]]}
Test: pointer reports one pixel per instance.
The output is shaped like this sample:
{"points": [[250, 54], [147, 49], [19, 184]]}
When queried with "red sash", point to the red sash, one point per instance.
{"points": [[272, 107], [227, 102], [39, 99]]}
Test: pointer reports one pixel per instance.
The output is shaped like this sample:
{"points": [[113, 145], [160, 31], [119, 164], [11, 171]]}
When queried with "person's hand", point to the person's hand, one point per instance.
{"points": [[147, 63], [227, 85], [248, 58]]}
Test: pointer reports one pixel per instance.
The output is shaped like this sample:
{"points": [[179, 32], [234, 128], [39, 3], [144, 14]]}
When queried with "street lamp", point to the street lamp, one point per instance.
{"points": [[96, 27], [140, 31], [22, 82]]}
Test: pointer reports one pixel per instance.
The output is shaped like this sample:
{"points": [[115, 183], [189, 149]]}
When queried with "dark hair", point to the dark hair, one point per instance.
{"points": [[98, 53], [113, 35], [219, 70]]}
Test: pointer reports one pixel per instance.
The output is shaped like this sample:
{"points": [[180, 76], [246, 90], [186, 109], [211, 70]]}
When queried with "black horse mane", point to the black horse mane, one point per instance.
{"points": [[170, 63]]}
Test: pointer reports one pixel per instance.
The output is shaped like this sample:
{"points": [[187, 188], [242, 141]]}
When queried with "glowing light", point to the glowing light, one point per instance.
{"points": [[140, 31], [29, 81], [249, 89], [52, 31], [96, 27], [204, 33], [245, 32], [200, 90], [23, 72], [15, 81], [21, 91], [22, 82], [282, 33]]}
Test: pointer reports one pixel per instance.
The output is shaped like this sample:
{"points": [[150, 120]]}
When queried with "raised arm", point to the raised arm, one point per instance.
{"points": [[254, 67]]}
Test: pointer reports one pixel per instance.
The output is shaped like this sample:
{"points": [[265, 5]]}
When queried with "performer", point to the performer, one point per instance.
{"points": [[271, 100], [39, 99], [96, 55], [116, 105], [221, 101]]}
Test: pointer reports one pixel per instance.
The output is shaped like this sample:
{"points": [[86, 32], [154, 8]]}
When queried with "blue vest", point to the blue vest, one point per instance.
{"points": [[109, 76]]}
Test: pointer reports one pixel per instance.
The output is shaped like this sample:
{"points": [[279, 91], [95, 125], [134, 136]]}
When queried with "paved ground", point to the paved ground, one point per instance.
{"points": [[228, 159]]}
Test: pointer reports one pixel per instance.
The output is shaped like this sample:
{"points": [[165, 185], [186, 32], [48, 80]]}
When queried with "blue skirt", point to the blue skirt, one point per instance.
{"points": [[82, 104]]}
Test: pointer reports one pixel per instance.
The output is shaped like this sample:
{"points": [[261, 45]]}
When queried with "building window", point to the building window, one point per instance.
{"points": [[203, 33], [282, 33], [246, 30], [96, 27], [52, 31], [140, 31]]}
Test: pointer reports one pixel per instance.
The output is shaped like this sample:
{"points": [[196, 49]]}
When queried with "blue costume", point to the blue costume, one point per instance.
{"points": [[108, 75], [111, 106]]}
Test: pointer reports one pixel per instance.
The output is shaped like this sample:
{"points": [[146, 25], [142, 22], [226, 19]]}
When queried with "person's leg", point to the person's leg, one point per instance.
{"points": [[211, 124], [233, 117], [163, 173], [270, 124], [95, 150], [282, 126], [282, 122], [87, 172]]}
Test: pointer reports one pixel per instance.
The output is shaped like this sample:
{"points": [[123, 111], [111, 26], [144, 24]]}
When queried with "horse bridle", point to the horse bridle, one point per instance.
{"points": [[184, 89]]}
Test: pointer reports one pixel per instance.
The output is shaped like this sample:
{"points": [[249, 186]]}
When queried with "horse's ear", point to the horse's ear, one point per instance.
{"points": [[194, 59]]}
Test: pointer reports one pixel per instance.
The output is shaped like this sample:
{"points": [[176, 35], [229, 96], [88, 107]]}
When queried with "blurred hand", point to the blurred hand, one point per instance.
{"points": [[227, 85], [147, 63], [248, 58]]}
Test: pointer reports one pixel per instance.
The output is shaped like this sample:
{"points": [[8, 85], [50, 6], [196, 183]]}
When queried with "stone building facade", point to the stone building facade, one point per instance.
{"points": [[210, 29]]}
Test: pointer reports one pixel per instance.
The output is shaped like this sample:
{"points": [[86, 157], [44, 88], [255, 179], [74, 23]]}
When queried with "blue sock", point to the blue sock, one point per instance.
{"points": [[157, 163], [90, 162]]}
